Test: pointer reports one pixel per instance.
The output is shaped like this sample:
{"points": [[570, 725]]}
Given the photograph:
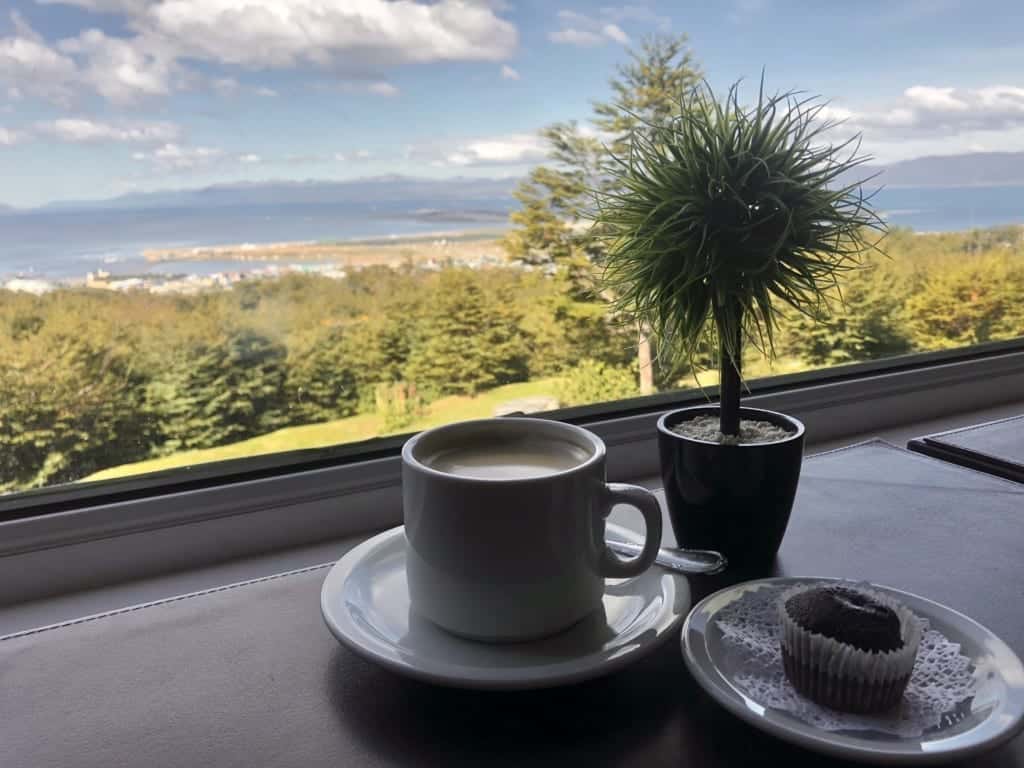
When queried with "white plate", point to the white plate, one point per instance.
{"points": [[995, 713], [365, 602]]}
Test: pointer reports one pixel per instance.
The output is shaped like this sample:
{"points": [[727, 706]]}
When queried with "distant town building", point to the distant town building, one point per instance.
{"points": [[195, 283], [29, 285]]}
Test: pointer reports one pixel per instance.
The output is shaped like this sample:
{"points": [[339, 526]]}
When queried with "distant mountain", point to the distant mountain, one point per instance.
{"points": [[376, 189], [976, 169]]}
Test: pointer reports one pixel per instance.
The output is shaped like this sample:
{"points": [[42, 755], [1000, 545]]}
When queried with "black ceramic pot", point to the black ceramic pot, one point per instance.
{"points": [[733, 498]]}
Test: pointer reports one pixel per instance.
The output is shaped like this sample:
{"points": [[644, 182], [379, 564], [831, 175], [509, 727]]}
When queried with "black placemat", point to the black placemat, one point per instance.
{"points": [[247, 675], [996, 447]]}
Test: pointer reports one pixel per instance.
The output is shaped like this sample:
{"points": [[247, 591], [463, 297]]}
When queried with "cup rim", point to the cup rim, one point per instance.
{"points": [[596, 443]]}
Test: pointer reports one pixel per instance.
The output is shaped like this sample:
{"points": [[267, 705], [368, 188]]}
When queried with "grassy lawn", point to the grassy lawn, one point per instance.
{"points": [[348, 430], [753, 368], [366, 426]]}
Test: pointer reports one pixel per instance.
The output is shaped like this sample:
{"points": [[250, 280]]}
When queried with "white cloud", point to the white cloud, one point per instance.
{"points": [[936, 120], [929, 110], [1002, 98], [355, 38], [374, 87], [578, 37], [9, 137], [614, 32], [174, 158], [506, 149], [78, 130], [123, 70], [640, 14], [223, 86], [29, 66], [507, 73], [585, 31], [834, 113], [285, 33], [930, 98], [359, 156], [382, 88]]}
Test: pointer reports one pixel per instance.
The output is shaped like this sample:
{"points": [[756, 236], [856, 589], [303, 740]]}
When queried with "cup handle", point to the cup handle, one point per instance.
{"points": [[614, 567]]}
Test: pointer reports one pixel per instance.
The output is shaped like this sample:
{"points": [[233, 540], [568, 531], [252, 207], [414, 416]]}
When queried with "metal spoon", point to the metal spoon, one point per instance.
{"points": [[697, 562]]}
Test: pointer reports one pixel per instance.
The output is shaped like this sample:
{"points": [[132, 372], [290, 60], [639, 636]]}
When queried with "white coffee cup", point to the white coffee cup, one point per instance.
{"points": [[505, 523]]}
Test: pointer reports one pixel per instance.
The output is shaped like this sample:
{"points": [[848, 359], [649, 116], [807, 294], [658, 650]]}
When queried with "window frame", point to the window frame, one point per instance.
{"points": [[103, 539], [77, 496]]}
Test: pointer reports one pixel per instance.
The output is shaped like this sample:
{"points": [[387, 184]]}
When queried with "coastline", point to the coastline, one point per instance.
{"points": [[193, 269], [391, 250]]}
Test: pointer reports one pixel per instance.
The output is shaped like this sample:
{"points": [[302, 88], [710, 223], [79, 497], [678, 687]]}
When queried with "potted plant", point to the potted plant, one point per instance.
{"points": [[713, 223]]}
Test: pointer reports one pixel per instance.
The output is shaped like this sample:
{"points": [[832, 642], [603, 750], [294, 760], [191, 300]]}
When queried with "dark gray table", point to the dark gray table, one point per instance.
{"points": [[996, 447], [248, 676]]}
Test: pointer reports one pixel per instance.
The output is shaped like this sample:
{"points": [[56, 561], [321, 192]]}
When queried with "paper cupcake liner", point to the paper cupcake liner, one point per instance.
{"points": [[838, 674]]}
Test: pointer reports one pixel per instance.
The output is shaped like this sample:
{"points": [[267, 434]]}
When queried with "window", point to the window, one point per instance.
{"points": [[227, 238]]}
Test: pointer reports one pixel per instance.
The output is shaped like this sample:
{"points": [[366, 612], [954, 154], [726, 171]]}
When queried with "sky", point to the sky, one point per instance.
{"points": [[104, 97]]}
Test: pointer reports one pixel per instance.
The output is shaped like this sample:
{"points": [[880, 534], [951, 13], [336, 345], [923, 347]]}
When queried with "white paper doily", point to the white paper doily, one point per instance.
{"points": [[942, 680]]}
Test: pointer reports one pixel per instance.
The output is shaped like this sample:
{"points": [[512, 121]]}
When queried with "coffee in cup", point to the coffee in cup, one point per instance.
{"points": [[511, 459]]}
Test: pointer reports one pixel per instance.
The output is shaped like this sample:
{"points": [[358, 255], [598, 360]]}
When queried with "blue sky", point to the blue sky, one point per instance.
{"points": [[102, 97]]}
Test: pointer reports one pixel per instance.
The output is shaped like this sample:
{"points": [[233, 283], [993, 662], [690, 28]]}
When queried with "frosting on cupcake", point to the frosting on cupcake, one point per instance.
{"points": [[847, 615]]}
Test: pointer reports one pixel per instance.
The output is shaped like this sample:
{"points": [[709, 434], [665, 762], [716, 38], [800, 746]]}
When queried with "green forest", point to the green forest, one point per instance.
{"points": [[92, 379]]}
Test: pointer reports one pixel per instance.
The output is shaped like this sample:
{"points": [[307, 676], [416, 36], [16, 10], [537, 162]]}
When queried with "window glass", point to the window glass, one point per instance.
{"points": [[249, 227]]}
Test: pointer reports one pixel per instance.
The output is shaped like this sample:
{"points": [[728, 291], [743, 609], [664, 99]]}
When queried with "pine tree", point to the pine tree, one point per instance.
{"points": [[220, 393], [321, 380], [647, 89], [69, 406], [970, 302], [469, 338], [864, 323], [549, 228]]}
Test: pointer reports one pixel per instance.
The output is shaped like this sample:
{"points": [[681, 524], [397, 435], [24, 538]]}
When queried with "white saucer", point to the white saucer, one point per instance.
{"points": [[365, 602], [994, 715]]}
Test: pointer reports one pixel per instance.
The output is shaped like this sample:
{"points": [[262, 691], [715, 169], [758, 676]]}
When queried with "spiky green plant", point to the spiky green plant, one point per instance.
{"points": [[716, 219]]}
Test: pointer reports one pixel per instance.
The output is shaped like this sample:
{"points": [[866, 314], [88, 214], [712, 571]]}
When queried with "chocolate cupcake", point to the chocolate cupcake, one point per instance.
{"points": [[847, 647]]}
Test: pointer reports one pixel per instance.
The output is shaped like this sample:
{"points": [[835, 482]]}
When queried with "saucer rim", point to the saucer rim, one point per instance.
{"points": [[378, 651], [709, 675]]}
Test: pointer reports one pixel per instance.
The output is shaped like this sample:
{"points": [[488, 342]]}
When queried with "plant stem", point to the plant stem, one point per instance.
{"points": [[729, 385]]}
